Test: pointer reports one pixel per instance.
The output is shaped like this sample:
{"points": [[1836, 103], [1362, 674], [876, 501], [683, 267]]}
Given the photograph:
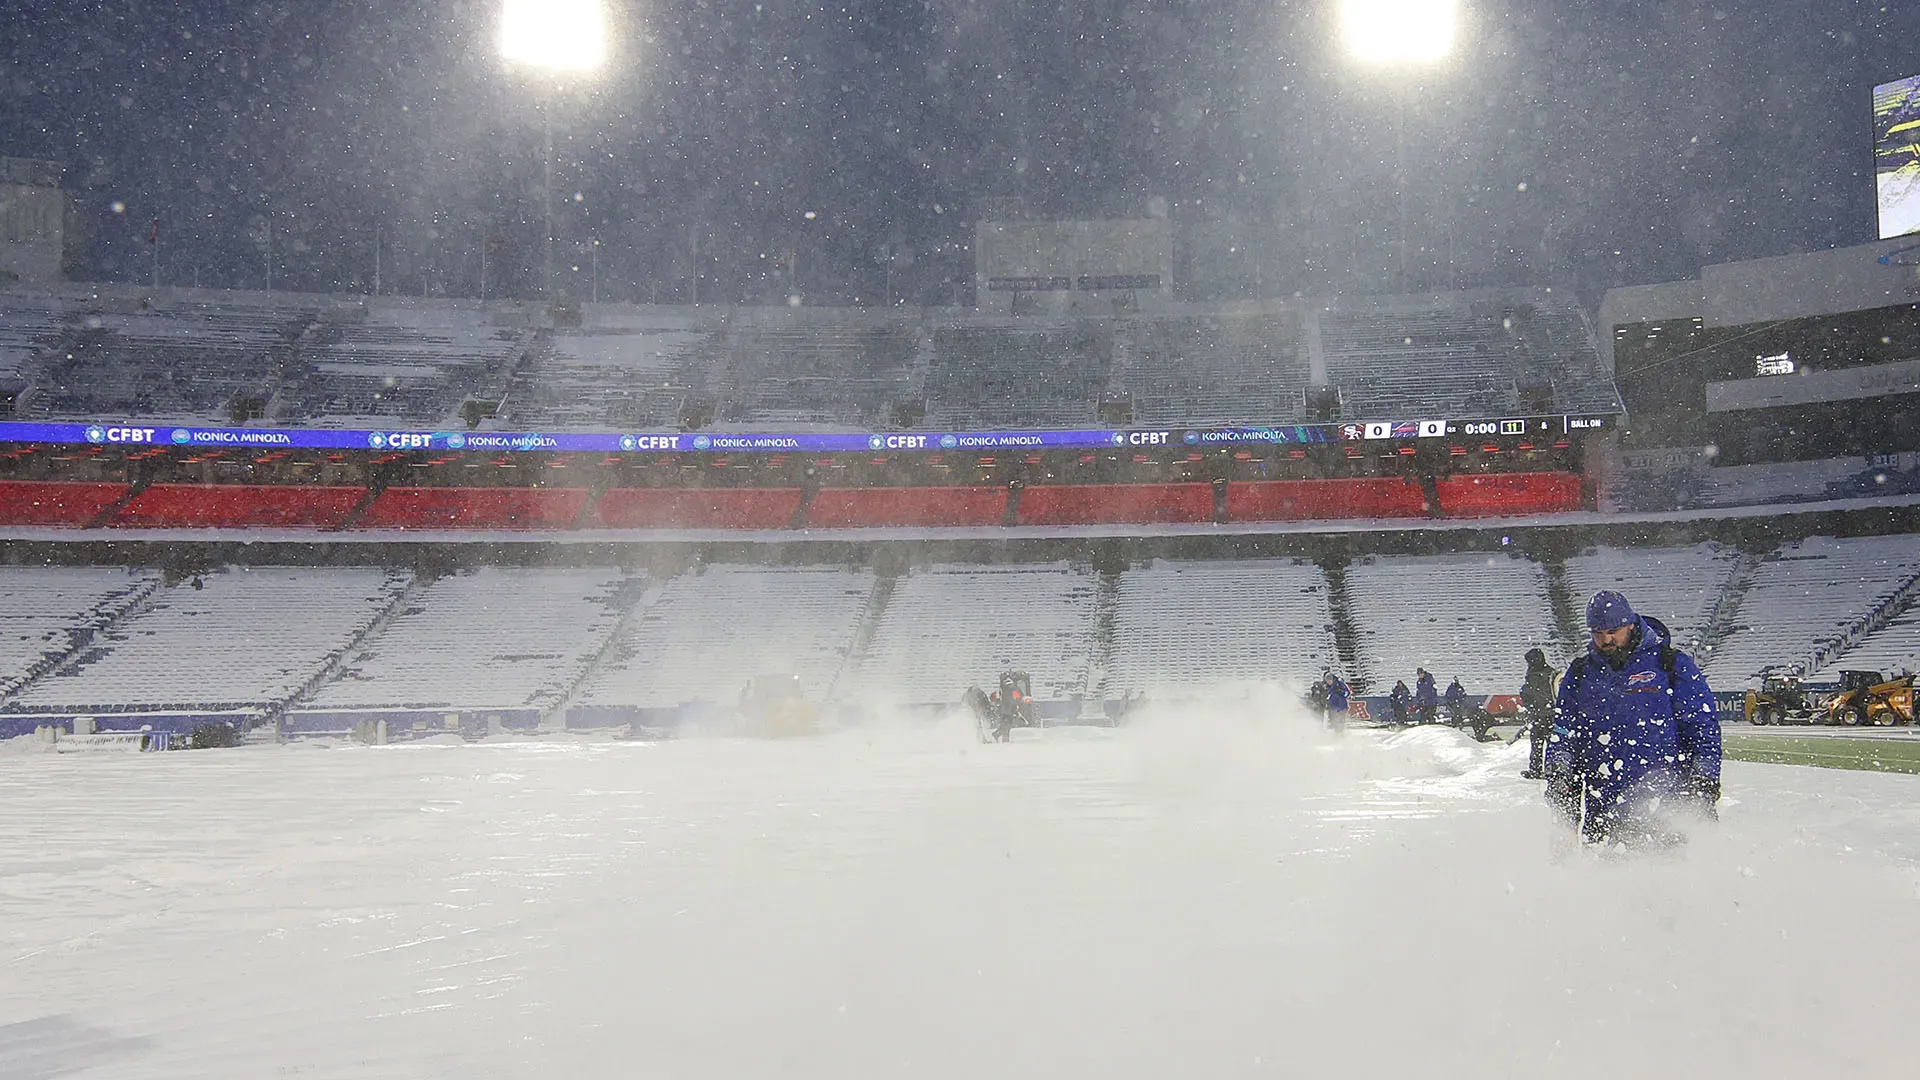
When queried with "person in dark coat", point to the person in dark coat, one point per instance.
{"points": [[1339, 700], [1536, 712], [1635, 733], [1426, 697], [1398, 702], [1456, 699]]}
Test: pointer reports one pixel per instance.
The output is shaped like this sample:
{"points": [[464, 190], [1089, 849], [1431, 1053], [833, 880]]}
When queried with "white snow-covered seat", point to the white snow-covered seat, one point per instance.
{"points": [[1180, 625], [706, 635], [1471, 617], [246, 637], [1807, 596], [1227, 369], [948, 627], [1894, 649], [1677, 585], [501, 637], [45, 612]]}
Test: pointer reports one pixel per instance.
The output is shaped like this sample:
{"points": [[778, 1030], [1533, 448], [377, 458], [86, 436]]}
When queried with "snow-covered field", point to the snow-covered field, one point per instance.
{"points": [[1200, 895]]}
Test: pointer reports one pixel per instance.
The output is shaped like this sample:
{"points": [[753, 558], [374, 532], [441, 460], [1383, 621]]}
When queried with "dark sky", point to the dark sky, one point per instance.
{"points": [[1584, 143]]}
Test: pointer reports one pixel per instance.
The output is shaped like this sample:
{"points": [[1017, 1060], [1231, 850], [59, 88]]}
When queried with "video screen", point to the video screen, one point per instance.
{"points": [[1896, 156]]}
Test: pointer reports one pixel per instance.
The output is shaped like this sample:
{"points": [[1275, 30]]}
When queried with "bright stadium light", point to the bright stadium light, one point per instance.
{"points": [[1399, 31], [556, 35], [559, 37]]}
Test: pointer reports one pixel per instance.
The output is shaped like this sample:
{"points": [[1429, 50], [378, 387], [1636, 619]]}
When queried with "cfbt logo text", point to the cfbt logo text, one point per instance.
{"points": [[400, 440], [98, 434]]}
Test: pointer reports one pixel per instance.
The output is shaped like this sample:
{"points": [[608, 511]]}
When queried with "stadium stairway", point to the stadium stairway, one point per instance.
{"points": [[1726, 610], [81, 640], [1346, 640], [1569, 616], [112, 510], [1106, 615], [401, 600], [643, 599], [863, 632], [1883, 613], [360, 508]]}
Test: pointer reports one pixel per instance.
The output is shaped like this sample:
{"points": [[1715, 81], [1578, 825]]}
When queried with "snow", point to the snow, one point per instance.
{"points": [[1217, 892]]}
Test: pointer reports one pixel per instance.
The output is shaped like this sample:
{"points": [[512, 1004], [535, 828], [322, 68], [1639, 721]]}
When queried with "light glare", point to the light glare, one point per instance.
{"points": [[1398, 31], [558, 35]]}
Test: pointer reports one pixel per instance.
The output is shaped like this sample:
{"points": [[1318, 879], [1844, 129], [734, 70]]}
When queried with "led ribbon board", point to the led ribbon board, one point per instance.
{"points": [[127, 434]]}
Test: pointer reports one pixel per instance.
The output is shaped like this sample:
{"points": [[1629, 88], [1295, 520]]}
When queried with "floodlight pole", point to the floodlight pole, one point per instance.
{"points": [[1400, 172], [546, 190]]}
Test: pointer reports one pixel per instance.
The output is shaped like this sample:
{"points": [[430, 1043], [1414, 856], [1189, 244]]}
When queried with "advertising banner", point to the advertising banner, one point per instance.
{"points": [[125, 433]]}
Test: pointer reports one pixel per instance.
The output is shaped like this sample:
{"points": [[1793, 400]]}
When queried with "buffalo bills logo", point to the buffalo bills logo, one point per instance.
{"points": [[1642, 678]]}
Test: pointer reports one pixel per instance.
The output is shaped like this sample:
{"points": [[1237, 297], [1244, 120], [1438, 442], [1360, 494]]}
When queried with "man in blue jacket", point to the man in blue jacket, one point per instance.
{"points": [[1426, 698], [1339, 698], [1634, 731], [1397, 703]]}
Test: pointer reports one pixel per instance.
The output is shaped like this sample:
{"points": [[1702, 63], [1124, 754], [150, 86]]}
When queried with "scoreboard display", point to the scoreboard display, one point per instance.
{"points": [[1896, 156]]}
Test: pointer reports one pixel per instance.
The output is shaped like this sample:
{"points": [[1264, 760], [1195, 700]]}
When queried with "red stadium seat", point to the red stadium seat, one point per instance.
{"points": [[1100, 504], [1306, 500], [475, 508], [215, 506], [1509, 494], [853, 508], [696, 508], [34, 502]]}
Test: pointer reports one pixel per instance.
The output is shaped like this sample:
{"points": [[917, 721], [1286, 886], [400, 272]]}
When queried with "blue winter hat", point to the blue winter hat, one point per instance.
{"points": [[1608, 610]]}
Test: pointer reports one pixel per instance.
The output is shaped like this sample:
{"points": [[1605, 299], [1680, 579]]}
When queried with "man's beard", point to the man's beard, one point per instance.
{"points": [[1616, 654]]}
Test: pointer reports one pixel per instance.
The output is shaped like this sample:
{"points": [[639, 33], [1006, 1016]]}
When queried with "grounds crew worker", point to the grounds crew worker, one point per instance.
{"points": [[1536, 713], [1634, 732]]}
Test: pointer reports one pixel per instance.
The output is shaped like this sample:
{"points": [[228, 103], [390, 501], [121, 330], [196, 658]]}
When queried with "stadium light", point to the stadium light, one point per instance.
{"points": [[1399, 31], [558, 37], [554, 35]]}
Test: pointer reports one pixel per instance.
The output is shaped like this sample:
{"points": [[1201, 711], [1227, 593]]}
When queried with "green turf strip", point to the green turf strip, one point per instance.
{"points": [[1873, 755]]}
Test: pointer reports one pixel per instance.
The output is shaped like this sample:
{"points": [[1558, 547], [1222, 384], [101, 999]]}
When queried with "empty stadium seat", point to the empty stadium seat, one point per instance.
{"points": [[34, 502], [1300, 500], [1680, 586], [696, 508], [475, 508], [1096, 504], [1509, 494], [1468, 616], [852, 508], [1183, 625], [212, 506], [235, 638], [947, 626], [706, 635], [50, 611], [543, 627]]}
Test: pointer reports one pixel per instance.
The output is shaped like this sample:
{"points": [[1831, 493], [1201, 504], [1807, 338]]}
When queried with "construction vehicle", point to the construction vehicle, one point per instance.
{"points": [[998, 713], [1868, 697], [1781, 699], [774, 707]]}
